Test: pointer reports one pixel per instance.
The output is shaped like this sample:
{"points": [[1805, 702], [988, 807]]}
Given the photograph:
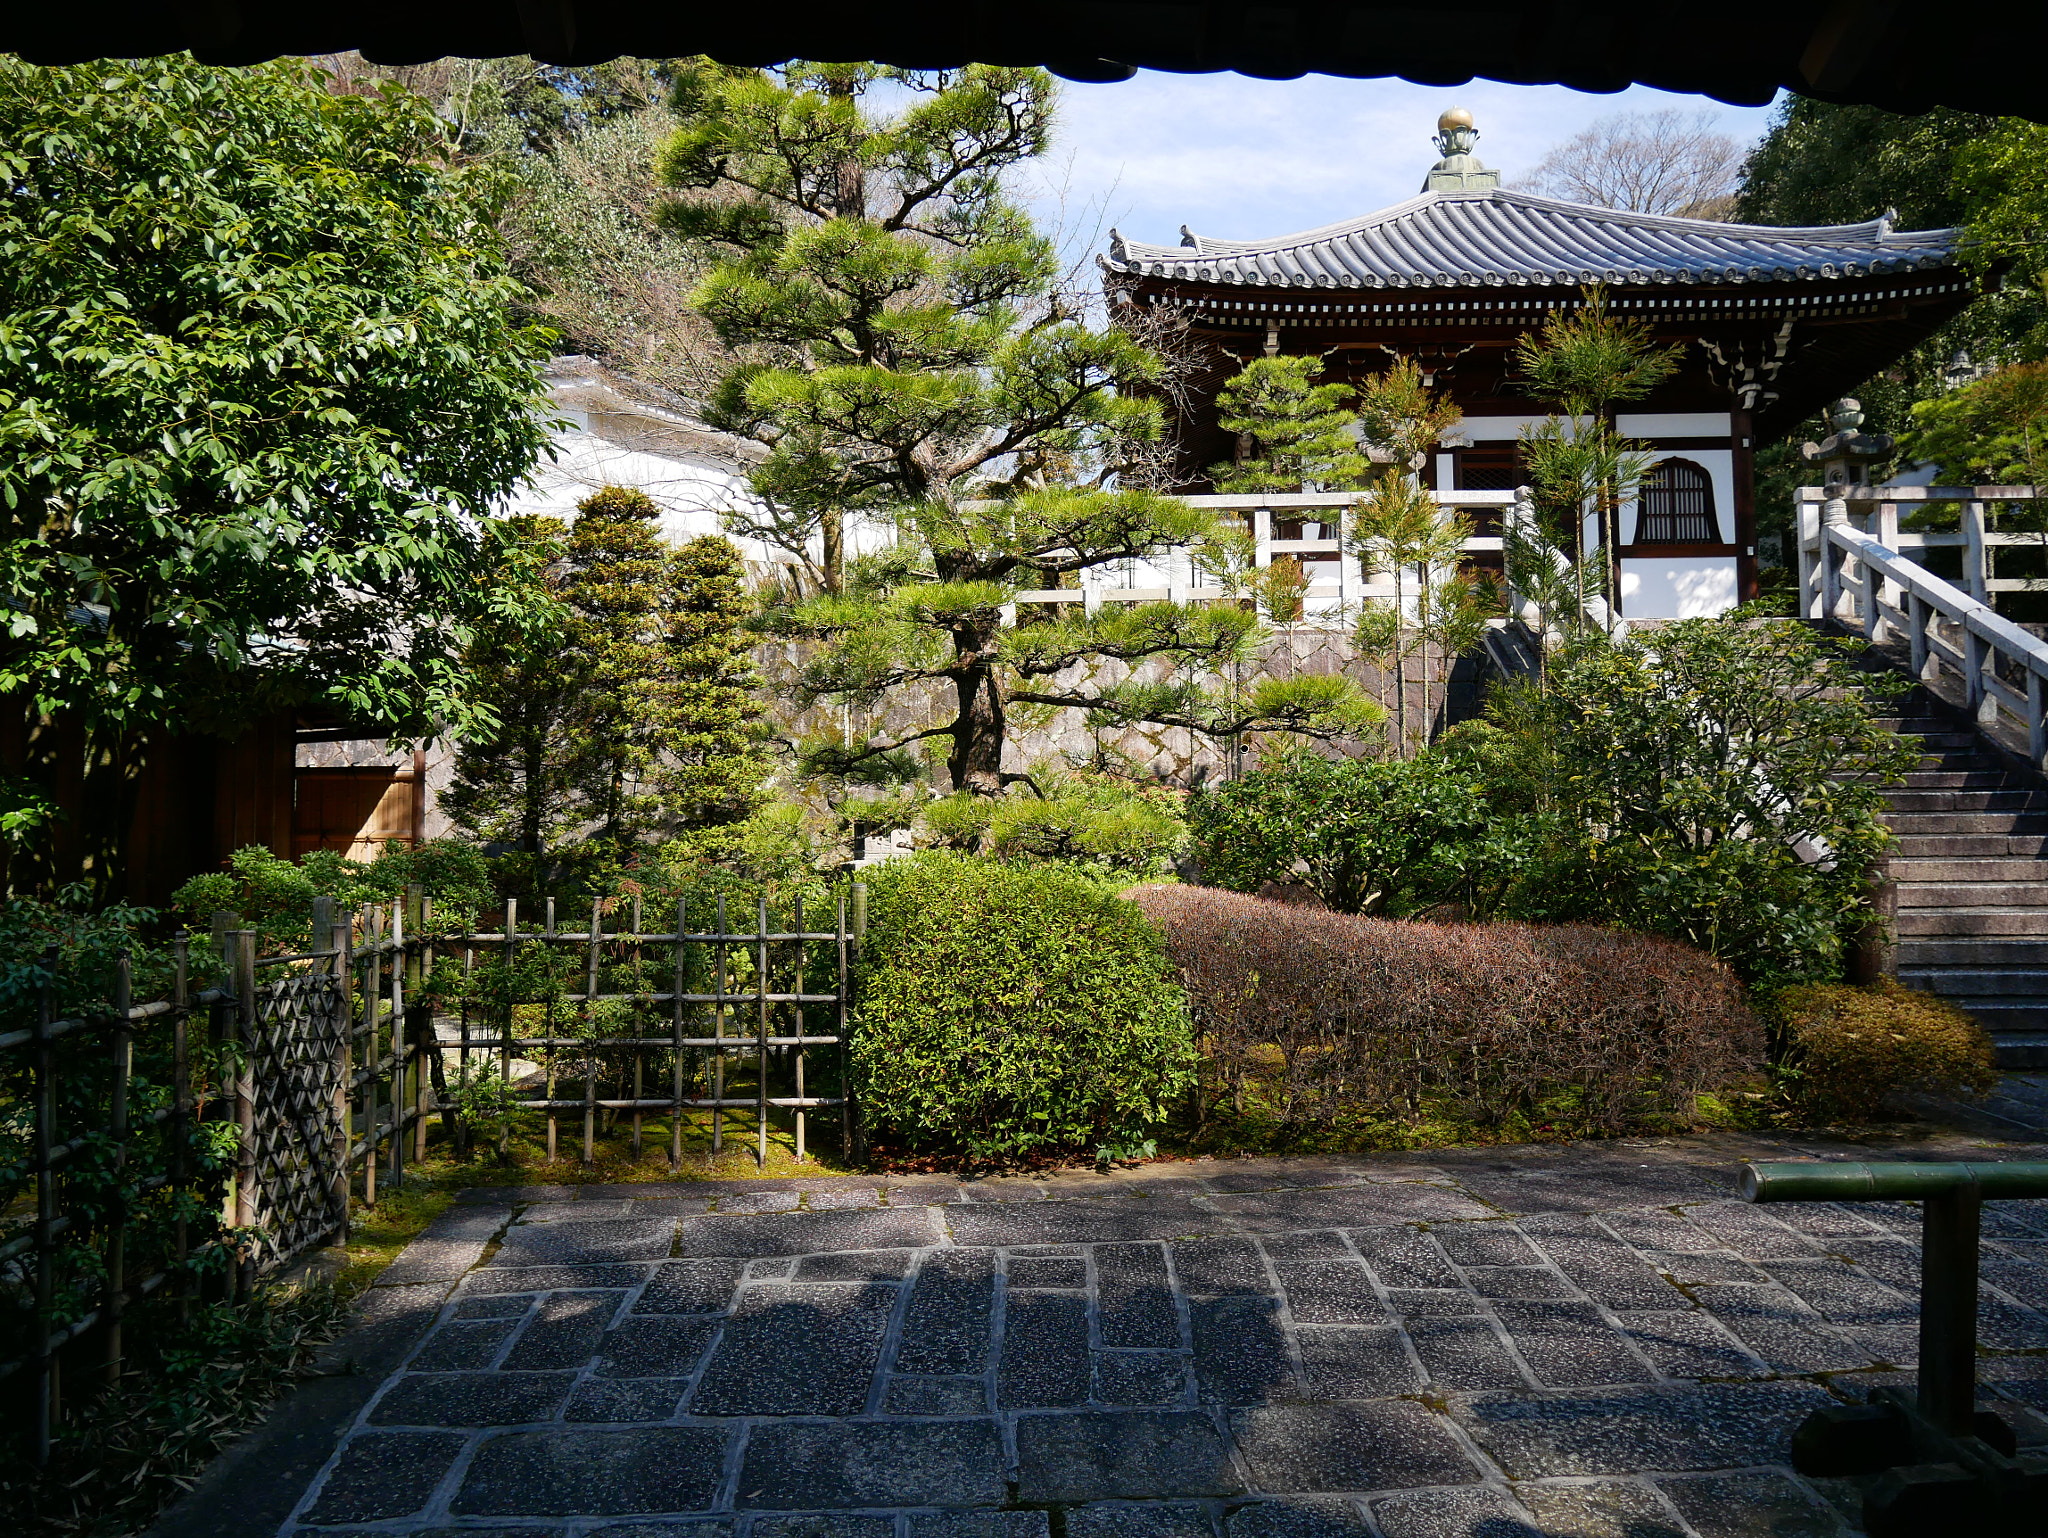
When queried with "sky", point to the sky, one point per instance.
{"points": [[1237, 158]]}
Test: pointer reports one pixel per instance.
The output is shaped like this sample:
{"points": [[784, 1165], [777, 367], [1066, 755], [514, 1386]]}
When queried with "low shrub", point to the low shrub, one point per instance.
{"points": [[1307, 1016], [1007, 1010], [1845, 1049]]}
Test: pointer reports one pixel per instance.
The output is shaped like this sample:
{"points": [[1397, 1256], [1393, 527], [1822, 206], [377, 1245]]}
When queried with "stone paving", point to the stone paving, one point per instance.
{"points": [[1597, 1342]]}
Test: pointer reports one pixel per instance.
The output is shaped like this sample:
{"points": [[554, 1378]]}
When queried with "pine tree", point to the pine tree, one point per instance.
{"points": [[1303, 435], [910, 353], [715, 765], [512, 785]]}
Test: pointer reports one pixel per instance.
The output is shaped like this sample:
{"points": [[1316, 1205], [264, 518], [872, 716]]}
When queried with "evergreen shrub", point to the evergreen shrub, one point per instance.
{"points": [[1010, 1010], [1310, 1017], [1848, 1048]]}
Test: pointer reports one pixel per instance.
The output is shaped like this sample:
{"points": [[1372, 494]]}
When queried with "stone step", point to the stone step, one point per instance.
{"points": [[1990, 954], [1966, 800], [1957, 779], [2012, 824], [2018, 984], [1975, 894], [2019, 1049], [2025, 923], [1967, 846], [1973, 870]]}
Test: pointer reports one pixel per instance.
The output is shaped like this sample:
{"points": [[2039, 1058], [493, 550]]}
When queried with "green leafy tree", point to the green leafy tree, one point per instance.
{"points": [[909, 353], [1720, 784], [1300, 435], [2001, 177], [1991, 433], [260, 383]]}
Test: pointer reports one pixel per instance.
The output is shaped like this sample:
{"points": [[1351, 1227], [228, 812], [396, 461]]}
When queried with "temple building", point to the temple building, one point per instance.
{"points": [[1774, 324]]}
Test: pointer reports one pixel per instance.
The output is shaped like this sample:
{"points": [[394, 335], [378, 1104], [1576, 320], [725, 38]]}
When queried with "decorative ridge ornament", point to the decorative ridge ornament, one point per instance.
{"points": [[1459, 170]]}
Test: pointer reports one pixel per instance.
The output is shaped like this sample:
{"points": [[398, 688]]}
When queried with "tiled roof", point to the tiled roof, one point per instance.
{"points": [[1477, 239]]}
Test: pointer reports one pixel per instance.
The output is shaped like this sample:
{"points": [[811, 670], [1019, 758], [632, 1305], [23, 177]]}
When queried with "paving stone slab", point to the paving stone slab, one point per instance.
{"points": [[916, 1191], [813, 1465], [1297, 1516], [1348, 1207], [1691, 1344], [1403, 1257], [1065, 1272], [2005, 1326], [979, 1524], [385, 1474], [1330, 1292], [1464, 1354], [911, 1395], [446, 1247], [1840, 1292], [573, 1212], [1134, 1297], [946, 1325], [1522, 1284], [472, 1399], [797, 1350], [837, 1198], [1752, 1232], [511, 1305], [624, 1400], [690, 1287], [1141, 1377], [1178, 1519], [1781, 1330], [1496, 1243], [586, 1244], [564, 1331], [1366, 1363], [1434, 1303], [1452, 1514], [500, 1196], [1122, 1455], [1599, 1509], [1660, 1231], [1552, 1434], [489, 1280], [1569, 1345], [593, 1473], [807, 1233], [1609, 1272], [462, 1345], [1580, 1185], [1208, 1267], [838, 1524], [1309, 1244], [1105, 1222], [1315, 1447], [1045, 1351], [856, 1266], [703, 1527], [1240, 1351], [1750, 1505], [654, 1347], [1706, 1268], [760, 1201]]}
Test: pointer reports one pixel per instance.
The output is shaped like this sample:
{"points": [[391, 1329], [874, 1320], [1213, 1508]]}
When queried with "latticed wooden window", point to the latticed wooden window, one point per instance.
{"points": [[1675, 506]]}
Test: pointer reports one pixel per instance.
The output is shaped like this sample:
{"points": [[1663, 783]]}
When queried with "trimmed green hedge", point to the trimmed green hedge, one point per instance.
{"points": [[1006, 1010]]}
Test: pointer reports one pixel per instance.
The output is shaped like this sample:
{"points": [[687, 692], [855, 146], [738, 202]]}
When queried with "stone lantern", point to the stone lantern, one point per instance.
{"points": [[1846, 454]]}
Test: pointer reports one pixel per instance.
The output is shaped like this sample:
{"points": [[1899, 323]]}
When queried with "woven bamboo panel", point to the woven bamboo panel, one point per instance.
{"points": [[296, 1063]]}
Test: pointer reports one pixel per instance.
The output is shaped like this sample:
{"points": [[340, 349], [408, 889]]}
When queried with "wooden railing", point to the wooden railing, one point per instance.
{"points": [[1337, 584], [1865, 580]]}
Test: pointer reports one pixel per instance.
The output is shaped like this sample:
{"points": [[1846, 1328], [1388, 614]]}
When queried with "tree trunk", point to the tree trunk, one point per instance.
{"points": [[832, 523], [977, 758]]}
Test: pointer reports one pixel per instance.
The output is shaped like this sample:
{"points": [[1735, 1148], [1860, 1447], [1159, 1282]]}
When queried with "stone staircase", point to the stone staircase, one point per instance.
{"points": [[1971, 866]]}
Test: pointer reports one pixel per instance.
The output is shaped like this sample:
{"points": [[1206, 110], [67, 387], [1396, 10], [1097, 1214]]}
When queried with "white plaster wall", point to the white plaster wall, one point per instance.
{"points": [[1674, 424], [1683, 587]]}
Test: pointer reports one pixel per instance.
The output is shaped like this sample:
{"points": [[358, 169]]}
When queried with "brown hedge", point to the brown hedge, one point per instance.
{"points": [[1325, 1015]]}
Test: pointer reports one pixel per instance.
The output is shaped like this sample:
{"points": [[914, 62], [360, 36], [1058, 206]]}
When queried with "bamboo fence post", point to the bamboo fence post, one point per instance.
{"points": [[797, 1013], [639, 1057], [761, 1048], [245, 1105], [718, 1039], [396, 948], [465, 1136], [845, 1061], [340, 933], [117, 1128], [675, 1129], [46, 1386], [590, 1035], [859, 893], [505, 1035], [181, 1122], [373, 992], [428, 1085]]}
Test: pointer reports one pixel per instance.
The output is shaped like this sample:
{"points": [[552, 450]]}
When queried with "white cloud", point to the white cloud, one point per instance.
{"points": [[1239, 158]]}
